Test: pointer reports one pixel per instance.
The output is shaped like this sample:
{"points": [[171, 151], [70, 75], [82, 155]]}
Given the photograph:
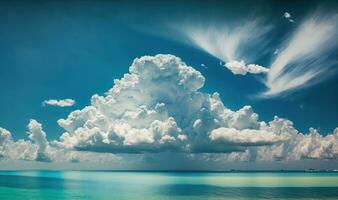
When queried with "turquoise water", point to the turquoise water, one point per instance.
{"points": [[165, 185]]}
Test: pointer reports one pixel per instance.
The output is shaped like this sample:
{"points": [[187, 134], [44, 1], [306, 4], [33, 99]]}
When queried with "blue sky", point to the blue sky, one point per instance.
{"points": [[53, 51], [60, 50]]}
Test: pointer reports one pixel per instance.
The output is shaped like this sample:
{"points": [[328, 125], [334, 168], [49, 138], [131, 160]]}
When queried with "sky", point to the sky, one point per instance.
{"points": [[243, 82]]}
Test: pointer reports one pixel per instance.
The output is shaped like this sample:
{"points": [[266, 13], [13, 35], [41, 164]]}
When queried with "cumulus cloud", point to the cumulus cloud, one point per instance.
{"points": [[5, 136], [230, 43], [60, 103], [303, 60], [239, 67], [20, 150], [288, 16], [295, 145], [38, 136], [39, 149], [157, 107]]}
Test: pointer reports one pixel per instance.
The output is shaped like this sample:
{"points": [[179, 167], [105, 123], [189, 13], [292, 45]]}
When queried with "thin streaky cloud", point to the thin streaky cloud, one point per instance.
{"points": [[302, 60], [229, 43]]}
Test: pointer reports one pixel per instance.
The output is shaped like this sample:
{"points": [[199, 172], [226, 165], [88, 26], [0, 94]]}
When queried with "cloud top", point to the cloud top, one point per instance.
{"points": [[38, 136]]}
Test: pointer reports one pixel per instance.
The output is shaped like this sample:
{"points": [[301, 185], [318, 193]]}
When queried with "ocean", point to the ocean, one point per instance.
{"points": [[104, 185]]}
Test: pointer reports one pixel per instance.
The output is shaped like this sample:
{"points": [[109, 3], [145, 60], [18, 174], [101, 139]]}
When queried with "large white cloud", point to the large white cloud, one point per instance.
{"points": [[157, 107]]}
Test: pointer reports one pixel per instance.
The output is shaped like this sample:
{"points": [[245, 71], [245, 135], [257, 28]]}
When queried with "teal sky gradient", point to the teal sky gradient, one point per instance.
{"points": [[55, 50]]}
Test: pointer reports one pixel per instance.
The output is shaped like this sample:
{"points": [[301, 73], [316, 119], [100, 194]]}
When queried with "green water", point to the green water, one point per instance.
{"points": [[166, 185]]}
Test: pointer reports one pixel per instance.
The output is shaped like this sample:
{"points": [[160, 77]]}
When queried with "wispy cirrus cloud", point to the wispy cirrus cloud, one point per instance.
{"points": [[60, 103], [230, 43], [303, 59]]}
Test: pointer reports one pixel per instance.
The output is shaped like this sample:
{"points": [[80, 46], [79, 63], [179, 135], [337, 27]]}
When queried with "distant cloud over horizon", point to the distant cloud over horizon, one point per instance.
{"points": [[59, 103], [38, 148]]}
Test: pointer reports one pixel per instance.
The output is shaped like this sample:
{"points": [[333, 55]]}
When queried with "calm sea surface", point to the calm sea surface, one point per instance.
{"points": [[165, 185]]}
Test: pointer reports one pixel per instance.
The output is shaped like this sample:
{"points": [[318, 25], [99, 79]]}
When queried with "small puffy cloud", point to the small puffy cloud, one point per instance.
{"points": [[239, 67], [60, 103], [288, 16]]}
